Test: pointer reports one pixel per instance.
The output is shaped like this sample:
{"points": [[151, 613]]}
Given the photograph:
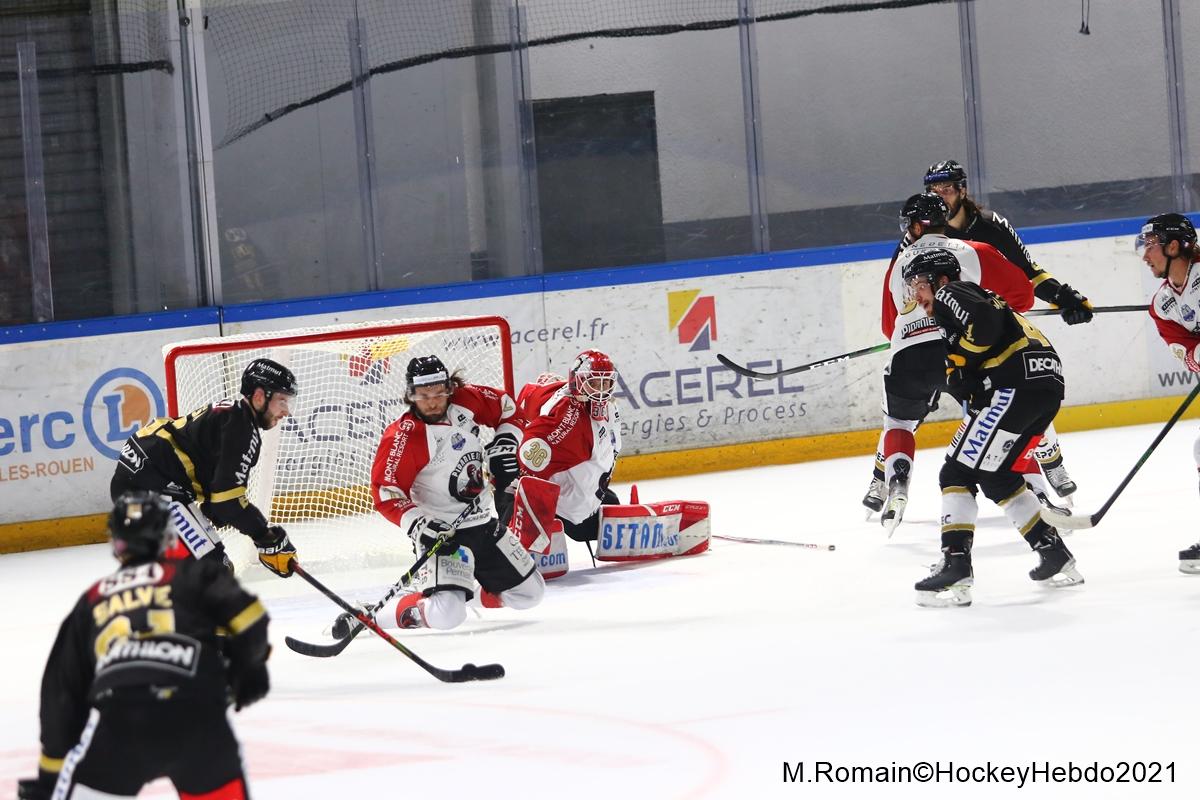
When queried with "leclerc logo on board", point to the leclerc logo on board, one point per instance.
{"points": [[119, 402], [694, 316]]}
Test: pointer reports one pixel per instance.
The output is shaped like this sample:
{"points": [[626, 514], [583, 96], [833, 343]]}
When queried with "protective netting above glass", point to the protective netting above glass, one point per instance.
{"points": [[278, 57]]}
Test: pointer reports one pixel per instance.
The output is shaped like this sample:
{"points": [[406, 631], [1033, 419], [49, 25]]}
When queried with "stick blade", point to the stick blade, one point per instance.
{"points": [[1072, 522], [739, 369], [469, 672], [316, 650]]}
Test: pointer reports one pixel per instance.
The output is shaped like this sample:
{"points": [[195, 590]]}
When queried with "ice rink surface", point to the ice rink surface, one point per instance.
{"points": [[702, 677]]}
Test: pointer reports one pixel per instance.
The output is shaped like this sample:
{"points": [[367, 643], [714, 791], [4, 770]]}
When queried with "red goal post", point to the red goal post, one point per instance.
{"points": [[313, 474]]}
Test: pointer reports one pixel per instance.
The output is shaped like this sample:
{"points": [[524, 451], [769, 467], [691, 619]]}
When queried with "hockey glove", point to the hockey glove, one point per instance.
{"points": [[1075, 307], [426, 530], [39, 788], [963, 385], [502, 460], [251, 686], [275, 551]]}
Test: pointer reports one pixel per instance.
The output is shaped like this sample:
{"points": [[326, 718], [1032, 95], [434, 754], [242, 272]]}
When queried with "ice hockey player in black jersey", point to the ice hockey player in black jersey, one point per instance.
{"points": [[968, 221], [1009, 377], [136, 687], [205, 458]]}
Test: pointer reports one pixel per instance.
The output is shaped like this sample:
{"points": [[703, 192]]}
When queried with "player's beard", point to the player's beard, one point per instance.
{"points": [[430, 419]]}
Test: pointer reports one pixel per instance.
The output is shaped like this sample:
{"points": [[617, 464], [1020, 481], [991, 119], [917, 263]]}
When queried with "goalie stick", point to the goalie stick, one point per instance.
{"points": [[879, 348], [749, 540], [467, 672], [330, 650], [1072, 522]]}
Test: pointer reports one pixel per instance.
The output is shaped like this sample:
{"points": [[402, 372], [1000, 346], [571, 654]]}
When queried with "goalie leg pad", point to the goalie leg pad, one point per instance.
{"points": [[652, 530], [533, 521], [555, 562]]}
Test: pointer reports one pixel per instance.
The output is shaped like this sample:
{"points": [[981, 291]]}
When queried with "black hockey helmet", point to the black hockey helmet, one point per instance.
{"points": [[270, 376], [424, 371], [926, 208], [930, 264], [139, 526], [1165, 228], [946, 171]]}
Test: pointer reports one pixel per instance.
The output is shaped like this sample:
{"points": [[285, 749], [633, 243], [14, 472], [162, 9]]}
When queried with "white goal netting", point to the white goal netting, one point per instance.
{"points": [[313, 474]]}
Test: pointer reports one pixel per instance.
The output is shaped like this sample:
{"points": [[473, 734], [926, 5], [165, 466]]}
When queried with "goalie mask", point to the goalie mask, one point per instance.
{"points": [[593, 379], [139, 526]]}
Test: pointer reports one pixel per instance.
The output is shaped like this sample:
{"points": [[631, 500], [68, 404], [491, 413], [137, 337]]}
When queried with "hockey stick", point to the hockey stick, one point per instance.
{"points": [[879, 348], [757, 375], [330, 650], [1061, 520], [748, 540], [1049, 312], [468, 672]]}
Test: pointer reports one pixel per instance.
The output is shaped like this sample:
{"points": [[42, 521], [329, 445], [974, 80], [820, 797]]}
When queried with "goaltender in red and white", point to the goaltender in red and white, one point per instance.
{"points": [[429, 472], [571, 440]]}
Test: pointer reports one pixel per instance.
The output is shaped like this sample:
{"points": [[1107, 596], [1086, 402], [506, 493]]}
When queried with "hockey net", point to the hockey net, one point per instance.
{"points": [[314, 469]]}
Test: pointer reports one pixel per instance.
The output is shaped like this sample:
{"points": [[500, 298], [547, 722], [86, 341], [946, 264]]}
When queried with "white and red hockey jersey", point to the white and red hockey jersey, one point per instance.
{"points": [[564, 444], [436, 470], [905, 323], [1176, 313]]}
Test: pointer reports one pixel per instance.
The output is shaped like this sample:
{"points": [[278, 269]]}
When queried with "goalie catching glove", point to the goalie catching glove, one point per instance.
{"points": [[276, 551]]}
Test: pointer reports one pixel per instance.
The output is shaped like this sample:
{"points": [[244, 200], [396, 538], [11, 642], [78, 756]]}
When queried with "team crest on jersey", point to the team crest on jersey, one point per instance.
{"points": [[457, 441], [466, 479], [1187, 312]]}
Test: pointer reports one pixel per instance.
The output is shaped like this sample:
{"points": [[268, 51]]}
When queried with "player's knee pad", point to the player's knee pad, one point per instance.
{"points": [[526, 594], [953, 473], [445, 609], [454, 571], [999, 487], [891, 423]]}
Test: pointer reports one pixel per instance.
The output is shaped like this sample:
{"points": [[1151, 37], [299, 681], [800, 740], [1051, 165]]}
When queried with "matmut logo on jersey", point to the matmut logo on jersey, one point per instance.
{"points": [[695, 318]]}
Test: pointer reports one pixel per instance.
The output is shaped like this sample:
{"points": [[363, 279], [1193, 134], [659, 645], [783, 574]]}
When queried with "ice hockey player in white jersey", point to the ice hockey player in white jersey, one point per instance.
{"points": [[915, 375], [1167, 244], [428, 472]]}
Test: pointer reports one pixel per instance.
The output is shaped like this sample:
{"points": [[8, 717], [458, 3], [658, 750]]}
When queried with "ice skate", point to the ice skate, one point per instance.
{"points": [[1189, 560], [875, 497], [897, 500], [1056, 474], [1056, 566], [1059, 480], [949, 583]]}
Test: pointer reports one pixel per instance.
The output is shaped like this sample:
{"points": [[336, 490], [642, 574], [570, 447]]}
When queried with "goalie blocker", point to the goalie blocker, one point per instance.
{"points": [[635, 532]]}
